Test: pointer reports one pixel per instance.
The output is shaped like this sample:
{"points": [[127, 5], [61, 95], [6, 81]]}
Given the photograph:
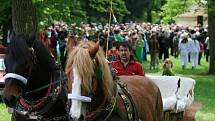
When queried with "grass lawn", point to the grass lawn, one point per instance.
{"points": [[4, 116], [204, 88]]}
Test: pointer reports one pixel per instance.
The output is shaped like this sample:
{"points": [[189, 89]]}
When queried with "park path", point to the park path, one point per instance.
{"points": [[190, 113]]}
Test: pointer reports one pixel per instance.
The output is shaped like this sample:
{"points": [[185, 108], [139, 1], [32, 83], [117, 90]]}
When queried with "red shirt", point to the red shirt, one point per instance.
{"points": [[133, 68]]}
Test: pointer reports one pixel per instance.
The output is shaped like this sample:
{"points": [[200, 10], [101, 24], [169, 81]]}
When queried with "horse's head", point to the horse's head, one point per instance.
{"points": [[81, 58], [88, 74], [19, 65]]}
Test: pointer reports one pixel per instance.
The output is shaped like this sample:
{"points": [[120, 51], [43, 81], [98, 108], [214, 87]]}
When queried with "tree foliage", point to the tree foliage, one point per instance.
{"points": [[99, 9], [49, 11], [5, 10], [172, 8], [137, 8], [5, 19]]}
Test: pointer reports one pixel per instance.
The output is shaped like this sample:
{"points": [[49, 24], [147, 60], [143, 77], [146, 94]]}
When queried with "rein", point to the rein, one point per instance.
{"points": [[45, 86]]}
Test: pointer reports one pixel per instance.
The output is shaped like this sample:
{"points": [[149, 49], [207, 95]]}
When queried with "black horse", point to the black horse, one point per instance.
{"points": [[35, 87]]}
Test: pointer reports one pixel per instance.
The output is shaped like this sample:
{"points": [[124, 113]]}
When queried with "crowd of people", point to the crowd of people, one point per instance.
{"points": [[127, 45]]}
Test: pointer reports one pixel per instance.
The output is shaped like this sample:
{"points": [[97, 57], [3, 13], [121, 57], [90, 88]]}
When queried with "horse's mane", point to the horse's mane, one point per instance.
{"points": [[81, 58], [18, 48]]}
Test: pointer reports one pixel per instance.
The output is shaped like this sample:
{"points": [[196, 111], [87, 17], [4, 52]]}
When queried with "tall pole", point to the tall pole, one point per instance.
{"points": [[109, 27]]}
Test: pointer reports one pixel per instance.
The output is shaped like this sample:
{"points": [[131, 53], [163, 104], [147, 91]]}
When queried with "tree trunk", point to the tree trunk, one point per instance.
{"points": [[211, 24], [23, 16]]}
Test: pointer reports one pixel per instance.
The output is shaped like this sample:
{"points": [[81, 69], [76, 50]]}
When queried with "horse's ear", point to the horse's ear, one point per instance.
{"points": [[94, 50]]}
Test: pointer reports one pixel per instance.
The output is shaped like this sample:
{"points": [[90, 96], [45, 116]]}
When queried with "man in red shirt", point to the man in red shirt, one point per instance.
{"points": [[127, 65]]}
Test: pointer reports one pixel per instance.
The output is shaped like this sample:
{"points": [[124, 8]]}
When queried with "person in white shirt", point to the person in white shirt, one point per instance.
{"points": [[194, 51], [184, 50]]}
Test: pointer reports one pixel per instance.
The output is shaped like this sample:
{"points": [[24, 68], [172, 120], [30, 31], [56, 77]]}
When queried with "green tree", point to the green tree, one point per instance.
{"points": [[142, 10], [98, 10], [136, 8], [172, 8], [5, 19], [50, 11]]}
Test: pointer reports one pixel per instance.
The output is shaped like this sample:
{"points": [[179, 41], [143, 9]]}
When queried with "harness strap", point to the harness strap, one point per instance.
{"points": [[127, 105], [126, 96]]}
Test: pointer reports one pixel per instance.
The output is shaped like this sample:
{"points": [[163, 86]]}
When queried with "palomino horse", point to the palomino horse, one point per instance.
{"points": [[34, 85], [96, 97]]}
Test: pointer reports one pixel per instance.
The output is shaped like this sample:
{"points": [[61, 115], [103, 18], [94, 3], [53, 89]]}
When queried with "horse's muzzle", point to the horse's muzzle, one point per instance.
{"points": [[10, 101]]}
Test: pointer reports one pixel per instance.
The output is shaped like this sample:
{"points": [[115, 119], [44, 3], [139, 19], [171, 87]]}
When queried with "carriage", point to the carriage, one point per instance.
{"points": [[177, 95]]}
